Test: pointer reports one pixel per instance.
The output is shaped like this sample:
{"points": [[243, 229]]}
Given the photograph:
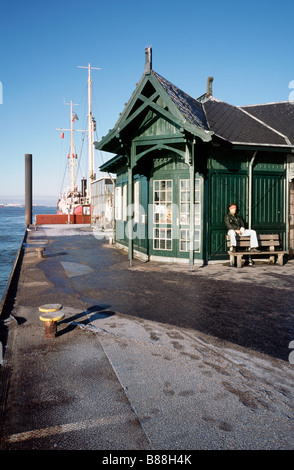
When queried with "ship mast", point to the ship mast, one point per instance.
{"points": [[72, 147], [90, 128]]}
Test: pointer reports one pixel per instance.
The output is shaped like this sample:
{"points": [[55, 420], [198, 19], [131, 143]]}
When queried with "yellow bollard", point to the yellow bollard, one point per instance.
{"points": [[50, 317]]}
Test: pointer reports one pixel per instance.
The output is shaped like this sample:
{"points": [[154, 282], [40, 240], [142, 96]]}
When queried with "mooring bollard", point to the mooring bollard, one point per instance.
{"points": [[50, 317], [40, 250]]}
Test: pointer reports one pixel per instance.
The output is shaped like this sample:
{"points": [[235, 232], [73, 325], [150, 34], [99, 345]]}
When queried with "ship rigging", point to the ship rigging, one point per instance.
{"points": [[73, 200]]}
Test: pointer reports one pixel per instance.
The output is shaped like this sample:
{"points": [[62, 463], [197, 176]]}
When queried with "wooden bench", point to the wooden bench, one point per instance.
{"points": [[269, 244]]}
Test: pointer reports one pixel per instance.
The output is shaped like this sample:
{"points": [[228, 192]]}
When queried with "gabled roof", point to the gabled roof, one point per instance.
{"points": [[184, 111], [190, 108], [238, 125], [269, 125]]}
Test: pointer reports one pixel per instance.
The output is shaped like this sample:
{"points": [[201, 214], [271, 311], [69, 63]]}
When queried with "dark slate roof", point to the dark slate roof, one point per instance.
{"points": [[265, 125], [190, 108], [279, 116], [238, 126], [270, 124]]}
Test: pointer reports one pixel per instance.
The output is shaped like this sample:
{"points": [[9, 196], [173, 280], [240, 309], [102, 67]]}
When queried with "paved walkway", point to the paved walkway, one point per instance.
{"points": [[148, 356]]}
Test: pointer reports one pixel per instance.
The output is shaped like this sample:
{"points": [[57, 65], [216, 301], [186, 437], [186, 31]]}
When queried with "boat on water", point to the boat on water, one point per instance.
{"points": [[93, 201], [75, 201]]}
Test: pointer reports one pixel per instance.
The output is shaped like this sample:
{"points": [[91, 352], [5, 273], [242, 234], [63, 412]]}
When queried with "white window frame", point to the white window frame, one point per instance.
{"points": [[184, 190], [197, 214], [118, 203], [137, 202], [124, 201], [162, 238], [162, 209]]}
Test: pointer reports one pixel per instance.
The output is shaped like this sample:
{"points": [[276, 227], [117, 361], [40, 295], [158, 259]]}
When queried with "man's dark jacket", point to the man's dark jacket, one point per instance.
{"points": [[234, 222]]}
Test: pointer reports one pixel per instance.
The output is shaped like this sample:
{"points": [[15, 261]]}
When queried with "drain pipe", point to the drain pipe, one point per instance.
{"points": [[250, 191]]}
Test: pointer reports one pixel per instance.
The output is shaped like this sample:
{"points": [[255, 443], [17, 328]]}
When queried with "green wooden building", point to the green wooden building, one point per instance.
{"points": [[179, 162]]}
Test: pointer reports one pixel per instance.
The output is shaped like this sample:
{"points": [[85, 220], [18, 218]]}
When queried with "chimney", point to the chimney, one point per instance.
{"points": [[148, 60], [209, 87]]}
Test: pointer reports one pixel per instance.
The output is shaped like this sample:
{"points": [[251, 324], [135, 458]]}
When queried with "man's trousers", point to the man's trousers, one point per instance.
{"points": [[246, 233]]}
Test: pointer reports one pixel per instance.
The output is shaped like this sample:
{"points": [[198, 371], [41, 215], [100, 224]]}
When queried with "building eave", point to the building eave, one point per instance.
{"points": [[114, 163]]}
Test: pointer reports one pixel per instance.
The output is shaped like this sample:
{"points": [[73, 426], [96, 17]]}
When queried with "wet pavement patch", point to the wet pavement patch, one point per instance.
{"points": [[242, 307]]}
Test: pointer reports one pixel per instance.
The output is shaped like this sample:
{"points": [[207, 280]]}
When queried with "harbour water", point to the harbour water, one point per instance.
{"points": [[12, 230]]}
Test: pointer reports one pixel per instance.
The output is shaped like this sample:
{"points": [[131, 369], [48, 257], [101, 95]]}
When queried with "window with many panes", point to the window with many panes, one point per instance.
{"points": [[125, 202], [162, 239], [185, 215], [162, 201], [136, 201], [162, 214], [184, 202], [118, 203], [184, 239], [197, 214]]}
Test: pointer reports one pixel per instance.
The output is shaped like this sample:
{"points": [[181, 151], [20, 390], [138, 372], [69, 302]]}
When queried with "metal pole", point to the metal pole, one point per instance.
{"points": [[90, 128], [72, 149], [250, 185], [90, 135], [28, 190], [192, 207], [250, 191], [130, 199]]}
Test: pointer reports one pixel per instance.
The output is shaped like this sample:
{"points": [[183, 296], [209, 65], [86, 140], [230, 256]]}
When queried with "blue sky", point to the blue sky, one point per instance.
{"points": [[246, 46]]}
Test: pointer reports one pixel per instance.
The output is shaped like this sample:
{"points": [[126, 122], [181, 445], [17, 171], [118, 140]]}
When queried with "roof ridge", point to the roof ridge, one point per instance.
{"points": [[190, 96], [190, 108], [266, 104], [266, 125]]}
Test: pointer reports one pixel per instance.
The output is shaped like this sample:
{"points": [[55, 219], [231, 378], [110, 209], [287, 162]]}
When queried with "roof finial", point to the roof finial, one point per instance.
{"points": [[148, 60]]}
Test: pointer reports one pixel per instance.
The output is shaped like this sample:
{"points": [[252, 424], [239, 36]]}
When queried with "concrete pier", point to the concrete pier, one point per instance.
{"points": [[147, 357]]}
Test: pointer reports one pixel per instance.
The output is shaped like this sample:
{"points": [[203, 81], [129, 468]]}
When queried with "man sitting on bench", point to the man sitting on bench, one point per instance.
{"points": [[235, 224]]}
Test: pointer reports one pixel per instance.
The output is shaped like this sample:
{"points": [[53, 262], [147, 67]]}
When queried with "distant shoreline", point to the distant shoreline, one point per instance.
{"points": [[20, 205]]}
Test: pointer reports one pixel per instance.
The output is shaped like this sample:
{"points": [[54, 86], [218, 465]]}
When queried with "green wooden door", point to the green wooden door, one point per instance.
{"points": [[223, 188], [268, 204]]}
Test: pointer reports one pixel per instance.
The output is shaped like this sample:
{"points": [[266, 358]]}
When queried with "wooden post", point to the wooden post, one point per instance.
{"points": [[192, 202], [28, 190], [130, 199]]}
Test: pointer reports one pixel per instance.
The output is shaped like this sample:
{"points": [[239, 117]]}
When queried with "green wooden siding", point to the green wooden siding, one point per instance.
{"points": [[156, 125], [228, 181], [224, 188], [268, 215]]}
